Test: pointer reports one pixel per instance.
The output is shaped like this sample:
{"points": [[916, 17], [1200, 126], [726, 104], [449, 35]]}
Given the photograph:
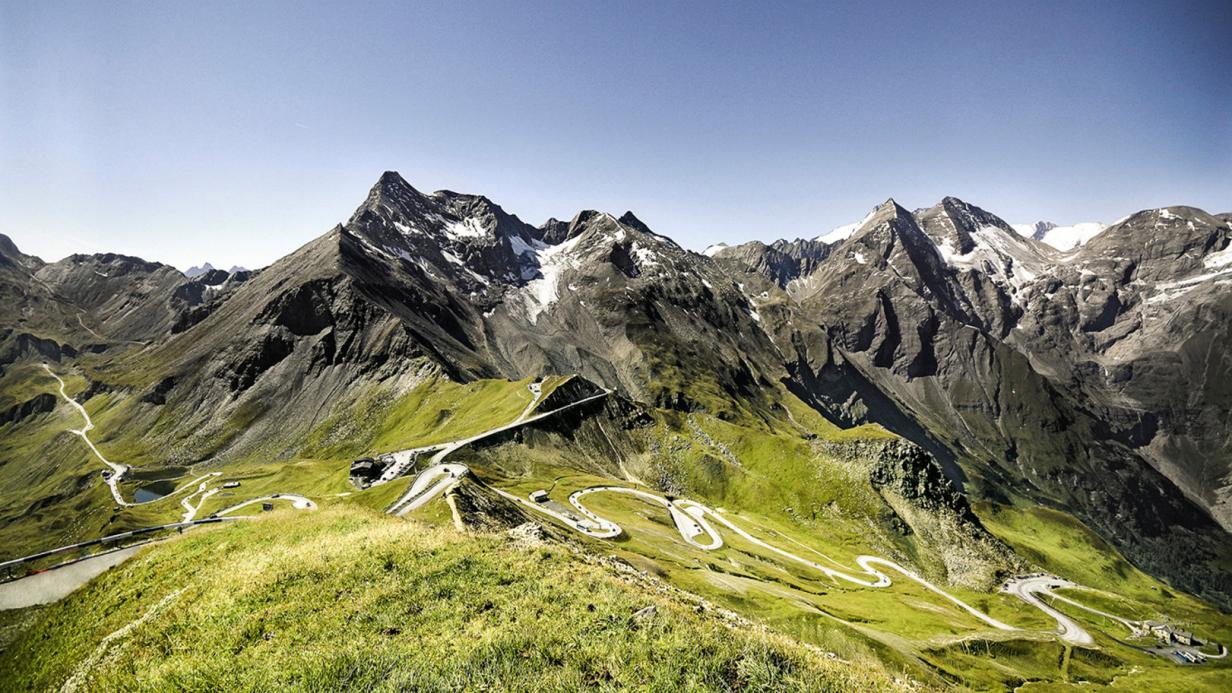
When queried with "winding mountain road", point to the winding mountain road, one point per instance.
{"points": [[1028, 589], [697, 523], [117, 470], [690, 518], [190, 510], [416, 495], [1131, 625], [202, 494], [298, 502]]}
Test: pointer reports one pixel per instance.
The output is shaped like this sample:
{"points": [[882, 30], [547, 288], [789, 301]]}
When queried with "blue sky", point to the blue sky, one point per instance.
{"points": [[235, 132]]}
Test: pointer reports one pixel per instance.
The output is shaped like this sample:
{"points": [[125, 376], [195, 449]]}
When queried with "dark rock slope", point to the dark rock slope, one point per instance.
{"points": [[1091, 380]]}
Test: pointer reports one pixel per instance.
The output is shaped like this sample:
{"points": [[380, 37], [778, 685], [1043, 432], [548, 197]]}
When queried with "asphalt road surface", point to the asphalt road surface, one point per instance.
{"points": [[1028, 589], [415, 496], [54, 585]]}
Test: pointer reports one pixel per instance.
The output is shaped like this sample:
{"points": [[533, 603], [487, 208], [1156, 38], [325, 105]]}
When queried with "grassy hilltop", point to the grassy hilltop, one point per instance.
{"points": [[345, 598]]}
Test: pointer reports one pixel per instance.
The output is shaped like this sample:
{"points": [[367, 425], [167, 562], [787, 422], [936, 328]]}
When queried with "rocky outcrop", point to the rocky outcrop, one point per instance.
{"points": [[782, 261], [15, 346], [480, 509], [927, 505], [574, 390], [39, 404]]}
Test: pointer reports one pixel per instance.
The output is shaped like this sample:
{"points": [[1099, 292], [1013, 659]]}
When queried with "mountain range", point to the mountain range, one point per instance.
{"points": [[1090, 379], [198, 270]]}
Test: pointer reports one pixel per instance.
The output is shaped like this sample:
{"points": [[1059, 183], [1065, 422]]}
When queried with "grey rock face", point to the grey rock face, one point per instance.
{"points": [[782, 261], [927, 504], [1086, 379]]}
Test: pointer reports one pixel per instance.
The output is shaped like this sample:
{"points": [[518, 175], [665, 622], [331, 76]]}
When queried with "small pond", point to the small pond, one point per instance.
{"points": [[154, 490]]}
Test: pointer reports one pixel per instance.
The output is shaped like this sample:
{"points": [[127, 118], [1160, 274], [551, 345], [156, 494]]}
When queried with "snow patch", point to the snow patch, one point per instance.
{"points": [[842, 233], [467, 228], [645, 256], [540, 294], [1005, 258], [713, 250], [455, 260], [1167, 291], [521, 247], [1221, 258], [1064, 237]]}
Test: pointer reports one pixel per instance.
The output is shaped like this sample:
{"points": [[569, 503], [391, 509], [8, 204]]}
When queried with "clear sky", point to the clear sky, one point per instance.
{"points": [[234, 132]]}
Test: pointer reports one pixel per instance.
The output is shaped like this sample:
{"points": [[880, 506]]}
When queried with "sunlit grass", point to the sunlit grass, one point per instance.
{"points": [[349, 599]]}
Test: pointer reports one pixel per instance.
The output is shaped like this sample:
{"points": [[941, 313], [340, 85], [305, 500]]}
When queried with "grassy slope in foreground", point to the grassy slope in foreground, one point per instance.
{"points": [[348, 598]]}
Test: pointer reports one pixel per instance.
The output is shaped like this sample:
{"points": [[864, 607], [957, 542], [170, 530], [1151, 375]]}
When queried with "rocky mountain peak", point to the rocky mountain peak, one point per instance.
{"points": [[7, 246], [1161, 218], [629, 220], [886, 219], [393, 196], [553, 231], [197, 270], [392, 184], [1158, 226], [970, 215], [883, 230], [1040, 229], [890, 207], [1160, 245], [11, 256], [767, 260], [953, 225], [583, 220]]}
